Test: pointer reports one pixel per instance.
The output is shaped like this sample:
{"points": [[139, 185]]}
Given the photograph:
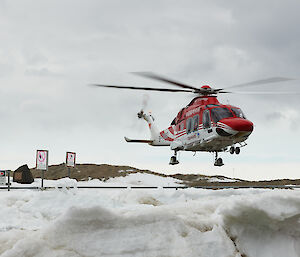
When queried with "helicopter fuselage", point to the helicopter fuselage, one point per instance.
{"points": [[206, 125]]}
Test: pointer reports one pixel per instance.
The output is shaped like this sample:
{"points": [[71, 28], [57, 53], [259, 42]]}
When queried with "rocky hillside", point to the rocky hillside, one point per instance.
{"points": [[89, 171], [105, 171]]}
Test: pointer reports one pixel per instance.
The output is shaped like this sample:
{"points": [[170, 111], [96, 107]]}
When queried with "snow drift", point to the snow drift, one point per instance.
{"points": [[189, 222]]}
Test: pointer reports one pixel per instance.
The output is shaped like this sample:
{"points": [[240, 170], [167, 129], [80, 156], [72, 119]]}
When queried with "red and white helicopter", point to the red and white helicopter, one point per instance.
{"points": [[205, 124]]}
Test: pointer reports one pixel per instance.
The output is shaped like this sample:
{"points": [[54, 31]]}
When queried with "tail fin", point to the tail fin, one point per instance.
{"points": [[156, 136], [150, 120]]}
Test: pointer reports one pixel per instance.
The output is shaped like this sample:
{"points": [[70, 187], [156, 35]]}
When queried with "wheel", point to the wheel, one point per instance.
{"points": [[232, 150], [219, 162], [237, 150], [173, 161]]}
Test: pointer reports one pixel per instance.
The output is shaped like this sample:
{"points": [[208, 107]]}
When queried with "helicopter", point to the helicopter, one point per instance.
{"points": [[205, 124]]}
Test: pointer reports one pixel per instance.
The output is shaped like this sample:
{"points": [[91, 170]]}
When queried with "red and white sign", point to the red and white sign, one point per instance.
{"points": [[71, 159], [2, 177], [42, 159]]}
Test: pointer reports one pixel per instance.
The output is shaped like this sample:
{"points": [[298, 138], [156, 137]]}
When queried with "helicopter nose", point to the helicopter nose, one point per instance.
{"points": [[238, 124]]}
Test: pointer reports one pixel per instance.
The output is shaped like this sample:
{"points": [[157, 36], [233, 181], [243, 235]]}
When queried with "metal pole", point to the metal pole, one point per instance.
{"points": [[8, 180], [69, 172], [42, 186]]}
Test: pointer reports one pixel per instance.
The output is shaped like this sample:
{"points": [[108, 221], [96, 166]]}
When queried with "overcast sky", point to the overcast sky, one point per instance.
{"points": [[51, 50]]}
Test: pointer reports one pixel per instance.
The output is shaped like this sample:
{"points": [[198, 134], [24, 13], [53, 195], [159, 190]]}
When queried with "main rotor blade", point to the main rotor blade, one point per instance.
{"points": [[261, 82], [163, 79], [144, 88], [266, 93]]}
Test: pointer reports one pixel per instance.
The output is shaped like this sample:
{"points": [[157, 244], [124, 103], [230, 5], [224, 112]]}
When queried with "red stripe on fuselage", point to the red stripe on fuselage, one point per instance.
{"points": [[171, 130], [165, 137]]}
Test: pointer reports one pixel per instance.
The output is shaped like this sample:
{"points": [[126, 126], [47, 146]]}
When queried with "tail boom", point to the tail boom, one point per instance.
{"points": [[163, 138]]}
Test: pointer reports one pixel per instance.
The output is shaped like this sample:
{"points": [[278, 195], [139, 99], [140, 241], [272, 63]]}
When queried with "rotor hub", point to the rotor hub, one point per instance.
{"points": [[206, 87]]}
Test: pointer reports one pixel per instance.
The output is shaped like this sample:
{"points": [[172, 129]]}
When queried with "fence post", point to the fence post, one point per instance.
{"points": [[8, 180]]}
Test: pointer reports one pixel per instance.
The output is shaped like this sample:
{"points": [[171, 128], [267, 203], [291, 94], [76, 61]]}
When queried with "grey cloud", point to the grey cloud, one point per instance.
{"points": [[43, 72], [274, 116], [51, 50]]}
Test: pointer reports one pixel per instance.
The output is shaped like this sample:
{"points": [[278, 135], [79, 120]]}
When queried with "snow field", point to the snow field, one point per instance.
{"points": [[132, 179], [164, 223]]}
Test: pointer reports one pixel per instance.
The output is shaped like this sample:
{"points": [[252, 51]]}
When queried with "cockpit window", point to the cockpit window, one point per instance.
{"points": [[218, 114], [238, 113]]}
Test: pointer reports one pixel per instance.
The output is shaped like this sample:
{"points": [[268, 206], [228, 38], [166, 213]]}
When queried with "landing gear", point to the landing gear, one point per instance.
{"points": [[218, 161], [235, 150], [173, 160]]}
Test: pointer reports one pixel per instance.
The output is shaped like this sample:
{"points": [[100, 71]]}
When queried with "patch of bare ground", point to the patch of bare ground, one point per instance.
{"points": [[90, 171], [105, 171]]}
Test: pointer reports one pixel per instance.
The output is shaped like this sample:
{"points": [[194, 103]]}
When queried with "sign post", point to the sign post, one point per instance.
{"points": [[42, 163], [70, 161], [8, 180]]}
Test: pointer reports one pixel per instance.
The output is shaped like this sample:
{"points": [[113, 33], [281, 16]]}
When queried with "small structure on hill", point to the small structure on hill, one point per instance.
{"points": [[23, 175]]}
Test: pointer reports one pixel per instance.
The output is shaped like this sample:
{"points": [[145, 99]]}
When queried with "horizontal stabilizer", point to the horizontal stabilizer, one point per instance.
{"points": [[138, 140]]}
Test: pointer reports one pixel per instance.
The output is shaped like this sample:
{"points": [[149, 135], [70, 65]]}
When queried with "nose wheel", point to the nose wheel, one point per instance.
{"points": [[173, 160], [218, 161]]}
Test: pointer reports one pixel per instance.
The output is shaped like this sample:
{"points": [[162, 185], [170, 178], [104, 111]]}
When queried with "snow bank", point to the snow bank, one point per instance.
{"points": [[126, 222], [268, 226], [131, 179], [97, 231], [143, 179], [65, 183]]}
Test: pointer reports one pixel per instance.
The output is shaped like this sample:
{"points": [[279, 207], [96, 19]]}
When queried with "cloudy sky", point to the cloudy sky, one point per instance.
{"points": [[51, 50]]}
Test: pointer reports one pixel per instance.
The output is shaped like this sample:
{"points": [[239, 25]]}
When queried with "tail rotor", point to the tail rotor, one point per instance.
{"points": [[144, 105]]}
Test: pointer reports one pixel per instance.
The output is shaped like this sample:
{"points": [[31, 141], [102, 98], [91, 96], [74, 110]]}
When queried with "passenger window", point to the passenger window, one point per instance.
{"points": [[181, 126], [195, 123], [206, 119], [189, 125]]}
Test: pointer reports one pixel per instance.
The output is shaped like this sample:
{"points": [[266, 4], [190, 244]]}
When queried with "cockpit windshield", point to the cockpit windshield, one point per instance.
{"points": [[238, 113], [218, 114]]}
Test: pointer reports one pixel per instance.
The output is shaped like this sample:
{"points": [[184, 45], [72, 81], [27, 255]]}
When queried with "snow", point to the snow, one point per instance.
{"points": [[64, 182], [131, 179], [144, 179], [156, 222], [212, 180]]}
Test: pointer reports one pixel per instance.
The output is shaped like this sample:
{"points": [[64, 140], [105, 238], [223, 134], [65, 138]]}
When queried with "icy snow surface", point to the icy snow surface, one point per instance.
{"points": [[132, 179], [160, 222], [211, 180]]}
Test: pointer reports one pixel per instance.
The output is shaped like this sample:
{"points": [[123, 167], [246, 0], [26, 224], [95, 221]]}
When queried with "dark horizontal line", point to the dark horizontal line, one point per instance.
{"points": [[20, 188], [104, 187], [156, 187]]}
